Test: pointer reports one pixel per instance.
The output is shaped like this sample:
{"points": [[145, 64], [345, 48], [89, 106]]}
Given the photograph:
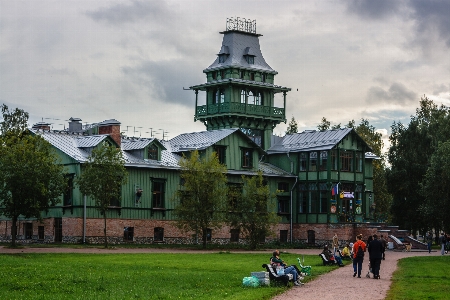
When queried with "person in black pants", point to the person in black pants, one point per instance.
{"points": [[375, 249]]}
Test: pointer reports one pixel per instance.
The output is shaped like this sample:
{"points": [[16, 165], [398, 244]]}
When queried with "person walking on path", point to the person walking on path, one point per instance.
{"points": [[335, 243], [358, 255], [384, 243], [376, 250], [429, 240], [443, 241]]}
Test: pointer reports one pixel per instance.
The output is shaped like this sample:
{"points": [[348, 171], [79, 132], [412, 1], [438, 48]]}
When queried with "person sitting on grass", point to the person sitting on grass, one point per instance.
{"points": [[346, 252], [278, 264], [330, 257]]}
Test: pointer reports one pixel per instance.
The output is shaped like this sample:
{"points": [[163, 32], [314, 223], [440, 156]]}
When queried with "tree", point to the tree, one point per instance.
{"points": [[325, 125], [203, 194], [31, 178], [412, 147], [102, 178], [292, 127], [374, 139], [436, 207], [252, 211]]}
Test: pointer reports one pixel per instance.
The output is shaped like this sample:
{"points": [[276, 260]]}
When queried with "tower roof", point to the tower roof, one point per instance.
{"points": [[240, 40]]}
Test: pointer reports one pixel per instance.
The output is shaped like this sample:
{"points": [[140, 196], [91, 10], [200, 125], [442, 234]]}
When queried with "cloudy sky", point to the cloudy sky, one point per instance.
{"points": [[130, 60]]}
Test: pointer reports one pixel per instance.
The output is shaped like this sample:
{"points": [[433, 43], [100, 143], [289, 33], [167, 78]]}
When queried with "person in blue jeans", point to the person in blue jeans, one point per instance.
{"points": [[329, 256], [358, 260], [429, 240], [276, 261]]}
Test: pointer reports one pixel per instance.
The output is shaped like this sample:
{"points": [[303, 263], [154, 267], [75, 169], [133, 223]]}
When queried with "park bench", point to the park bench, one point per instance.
{"points": [[277, 278]]}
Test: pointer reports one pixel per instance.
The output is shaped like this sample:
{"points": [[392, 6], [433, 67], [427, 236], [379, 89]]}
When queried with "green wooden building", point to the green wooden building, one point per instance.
{"points": [[324, 177]]}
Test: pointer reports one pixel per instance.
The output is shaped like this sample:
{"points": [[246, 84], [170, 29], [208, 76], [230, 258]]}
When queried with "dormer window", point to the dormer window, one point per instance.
{"points": [[222, 58], [249, 56], [152, 152]]}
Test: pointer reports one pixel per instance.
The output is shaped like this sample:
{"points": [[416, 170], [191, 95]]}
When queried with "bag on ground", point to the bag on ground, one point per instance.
{"points": [[250, 281]]}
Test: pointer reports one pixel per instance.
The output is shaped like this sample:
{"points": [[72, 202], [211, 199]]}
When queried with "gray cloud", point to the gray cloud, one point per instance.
{"points": [[131, 12], [370, 9], [165, 80], [396, 93]]}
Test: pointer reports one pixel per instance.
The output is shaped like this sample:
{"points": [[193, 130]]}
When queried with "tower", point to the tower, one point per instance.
{"points": [[240, 86]]}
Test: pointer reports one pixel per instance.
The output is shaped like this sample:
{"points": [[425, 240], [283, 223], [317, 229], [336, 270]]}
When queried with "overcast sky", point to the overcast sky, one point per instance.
{"points": [[130, 60]]}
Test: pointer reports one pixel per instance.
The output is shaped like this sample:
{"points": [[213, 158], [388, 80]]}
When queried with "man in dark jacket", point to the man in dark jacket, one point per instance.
{"points": [[375, 249]]}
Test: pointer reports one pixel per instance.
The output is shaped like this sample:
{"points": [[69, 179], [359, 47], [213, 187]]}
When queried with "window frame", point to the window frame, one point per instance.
{"points": [[234, 235], [221, 152], [303, 162], [128, 234], [346, 158], [158, 196], [283, 205], [152, 150], [312, 165], [158, 234], [247, 158]]}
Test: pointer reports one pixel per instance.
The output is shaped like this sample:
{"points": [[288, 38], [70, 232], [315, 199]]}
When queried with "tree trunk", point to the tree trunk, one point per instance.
{"points": [[14, 231], [104, 229]]}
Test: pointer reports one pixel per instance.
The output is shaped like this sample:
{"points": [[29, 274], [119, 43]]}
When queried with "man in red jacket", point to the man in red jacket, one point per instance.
{"points": [[357, 257]]}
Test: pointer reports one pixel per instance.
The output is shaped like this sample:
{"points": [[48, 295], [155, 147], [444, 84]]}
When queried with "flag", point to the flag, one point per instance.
{"points": [[335, 190]]}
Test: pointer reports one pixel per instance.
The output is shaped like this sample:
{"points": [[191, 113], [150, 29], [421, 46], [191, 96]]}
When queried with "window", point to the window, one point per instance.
{"points": [[257, 101], [283, 236], [28, 230], [250, 59], [221, 153], [158, 234], [247, 158], [152, 152], [115, 200], [214, 75], [222, 58], [128, 234], [250, 98], [234, 235], [252, 76], [208, 234], [359, 162], [283, 205], [41, 232], [68, 194], [158, 193], [323, 160], [313, 203], [323, 201], [283, 187], [234, 193], [313, 161], [303, 161], [347, 161], [263, 77], [334, 160], [241, 74], [303, 202], [243, 96], [222, 74]]}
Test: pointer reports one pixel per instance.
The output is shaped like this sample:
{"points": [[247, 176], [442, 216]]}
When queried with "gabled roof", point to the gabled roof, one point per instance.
{"points": [[204, 139], [237, 44], [90, 141], [310, 140], [138, 143]]}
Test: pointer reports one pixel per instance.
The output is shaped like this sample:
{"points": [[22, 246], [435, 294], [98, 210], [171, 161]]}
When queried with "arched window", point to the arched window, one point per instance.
{"points": [[251, 98], [222, 96], [243, 96]]}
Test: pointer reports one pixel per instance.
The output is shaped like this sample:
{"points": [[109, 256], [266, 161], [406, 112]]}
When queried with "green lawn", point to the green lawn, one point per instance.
{"points": [[425, 277], [137, 276]]}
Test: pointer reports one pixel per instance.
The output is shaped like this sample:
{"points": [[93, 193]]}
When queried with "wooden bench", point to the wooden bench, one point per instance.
{"points": [[278, 278], [327, 262]]}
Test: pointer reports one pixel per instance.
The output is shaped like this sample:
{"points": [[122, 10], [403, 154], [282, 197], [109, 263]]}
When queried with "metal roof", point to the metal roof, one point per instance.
{"points": [[240, 81], [88, 141], [198, 140], [237, 43], [135, 144], [269, 169], [310, 140]]}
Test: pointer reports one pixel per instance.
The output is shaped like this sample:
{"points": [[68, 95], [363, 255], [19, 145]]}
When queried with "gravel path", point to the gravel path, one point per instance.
{"points": [[338, 284]]}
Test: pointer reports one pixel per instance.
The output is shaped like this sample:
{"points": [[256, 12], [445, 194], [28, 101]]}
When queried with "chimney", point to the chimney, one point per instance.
{"points": [[75, 125], [41, 125], [111, 127]]}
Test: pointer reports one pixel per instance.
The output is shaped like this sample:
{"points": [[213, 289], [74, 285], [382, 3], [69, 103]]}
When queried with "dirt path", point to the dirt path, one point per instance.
{"points": [[338, 284]]}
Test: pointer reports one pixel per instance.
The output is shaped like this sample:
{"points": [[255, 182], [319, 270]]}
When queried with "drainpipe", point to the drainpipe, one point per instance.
{"points": [[84, 220], [291, 201]]}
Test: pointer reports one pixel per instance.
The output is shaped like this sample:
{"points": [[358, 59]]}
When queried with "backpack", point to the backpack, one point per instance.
{"points": [[360, 253]]}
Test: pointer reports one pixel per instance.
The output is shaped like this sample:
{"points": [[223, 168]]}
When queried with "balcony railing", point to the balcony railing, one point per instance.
{"points": [[240, 108]]}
